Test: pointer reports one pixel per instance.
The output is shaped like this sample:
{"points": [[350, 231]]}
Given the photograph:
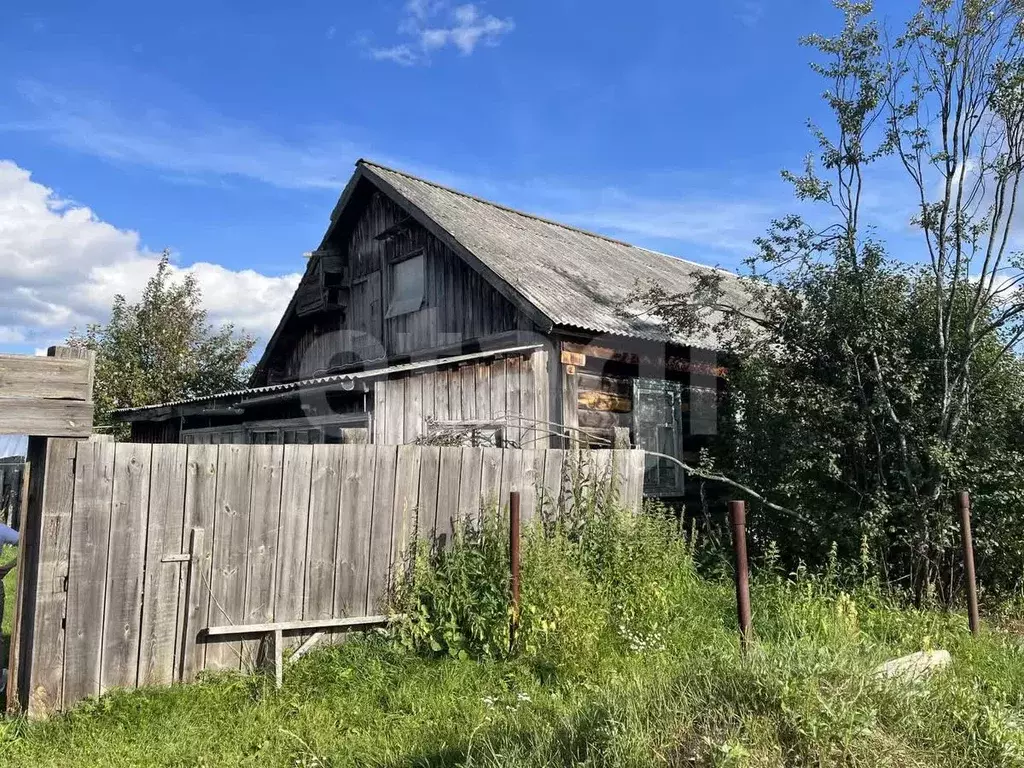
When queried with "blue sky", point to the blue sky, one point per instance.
{"points": [[225, 132]]}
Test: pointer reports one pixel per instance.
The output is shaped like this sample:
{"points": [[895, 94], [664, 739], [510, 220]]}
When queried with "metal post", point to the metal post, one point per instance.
{"points": [[513, 556], [964, 503], [738, 521]]}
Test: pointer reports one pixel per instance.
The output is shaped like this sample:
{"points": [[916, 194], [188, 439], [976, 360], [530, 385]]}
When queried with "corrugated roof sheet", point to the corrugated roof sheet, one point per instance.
{"points": [[575, 278], [335, 378]]}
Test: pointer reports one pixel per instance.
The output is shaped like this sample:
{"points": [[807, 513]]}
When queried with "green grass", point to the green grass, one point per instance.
{"points": [[651, 675]]}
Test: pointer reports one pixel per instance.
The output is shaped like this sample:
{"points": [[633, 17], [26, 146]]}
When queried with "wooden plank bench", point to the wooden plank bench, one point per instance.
{"points": [[274, 632]]}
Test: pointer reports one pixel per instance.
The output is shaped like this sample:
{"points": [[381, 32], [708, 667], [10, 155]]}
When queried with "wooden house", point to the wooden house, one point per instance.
{"points": [[427, 314]]}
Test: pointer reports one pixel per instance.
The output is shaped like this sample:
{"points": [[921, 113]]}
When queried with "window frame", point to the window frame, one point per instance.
{"points": [[412, 303], [672, 391]]}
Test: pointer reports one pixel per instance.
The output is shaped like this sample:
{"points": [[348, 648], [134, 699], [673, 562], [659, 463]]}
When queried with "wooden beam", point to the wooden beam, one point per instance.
{"points": [[50, 418], [296, 626], [669, 362], [45, 377]]}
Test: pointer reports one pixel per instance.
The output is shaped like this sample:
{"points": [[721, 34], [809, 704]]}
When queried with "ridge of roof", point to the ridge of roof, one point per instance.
{"points": [[507, 208]]}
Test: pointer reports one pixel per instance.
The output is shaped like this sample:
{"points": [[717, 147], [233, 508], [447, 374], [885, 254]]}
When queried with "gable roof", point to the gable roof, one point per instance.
{"points": [[558, 274], [575, 278]]}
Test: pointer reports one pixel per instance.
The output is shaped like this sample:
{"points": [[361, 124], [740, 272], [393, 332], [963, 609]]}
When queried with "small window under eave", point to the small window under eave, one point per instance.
{"points": [[407, 286]]}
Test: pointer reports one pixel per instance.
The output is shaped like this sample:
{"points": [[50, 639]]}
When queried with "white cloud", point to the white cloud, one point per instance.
{"points": [[435, 24], [61, 266], [721, 225], [750, 12], [191, 142]]}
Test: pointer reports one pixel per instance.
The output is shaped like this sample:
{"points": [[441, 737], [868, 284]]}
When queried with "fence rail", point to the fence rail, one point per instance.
{"points": [[142, 547]]}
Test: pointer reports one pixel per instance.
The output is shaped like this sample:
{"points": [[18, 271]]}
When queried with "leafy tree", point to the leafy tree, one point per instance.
{"points": [[874, 386], [162, 349]]}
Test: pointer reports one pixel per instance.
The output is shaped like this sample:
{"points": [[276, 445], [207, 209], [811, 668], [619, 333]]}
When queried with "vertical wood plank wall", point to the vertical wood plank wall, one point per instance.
{"points": [[514, 390], [284, 533]]}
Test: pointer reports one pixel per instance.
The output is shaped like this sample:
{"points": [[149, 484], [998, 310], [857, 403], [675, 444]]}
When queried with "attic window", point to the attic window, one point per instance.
{"points": [[407, 285]]}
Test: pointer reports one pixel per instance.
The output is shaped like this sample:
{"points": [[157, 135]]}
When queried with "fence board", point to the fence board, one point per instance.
{"points": [[201, 476], [126, 562], [639, 462], [45, 688], [553, 461], [469, 486], [404, 512], [264, 517], [230, 543], [430, 468], [164, 537], [449, 477], [526, 484], [490, 481], [291, 541], [511, 475], [380, 529], [322, 538], [90, 535], [354, 531]]}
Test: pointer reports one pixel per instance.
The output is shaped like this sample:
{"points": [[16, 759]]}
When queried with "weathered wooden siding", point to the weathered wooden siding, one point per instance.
{"points": [[511, 392], [459, 305], [142, 547], [156, 431]]}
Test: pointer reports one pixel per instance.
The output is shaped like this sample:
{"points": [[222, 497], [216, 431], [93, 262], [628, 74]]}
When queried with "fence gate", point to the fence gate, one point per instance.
{"points": [[145, 547]]}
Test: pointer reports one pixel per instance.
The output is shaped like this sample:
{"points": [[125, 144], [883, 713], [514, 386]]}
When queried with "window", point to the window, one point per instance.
{"points": [[658, 426], [407, 286]]}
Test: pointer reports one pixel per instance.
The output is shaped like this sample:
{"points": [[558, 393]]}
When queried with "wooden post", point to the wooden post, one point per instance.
{"points": [[738, 521], [964, 503], [44, 398], [513, 553], [14, 649], [190, 630]]}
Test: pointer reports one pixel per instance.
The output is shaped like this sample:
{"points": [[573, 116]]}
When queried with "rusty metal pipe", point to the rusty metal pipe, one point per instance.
{"points": [[738, 522], [964, 503], [513, 556]]}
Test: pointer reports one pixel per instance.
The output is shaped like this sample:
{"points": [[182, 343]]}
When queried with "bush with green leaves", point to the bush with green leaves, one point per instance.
{"points": [[599, 577]]}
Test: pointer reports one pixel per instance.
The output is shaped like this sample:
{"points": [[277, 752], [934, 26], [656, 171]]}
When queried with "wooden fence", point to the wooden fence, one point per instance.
{"points": [[143, 547], [11, 474]]}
